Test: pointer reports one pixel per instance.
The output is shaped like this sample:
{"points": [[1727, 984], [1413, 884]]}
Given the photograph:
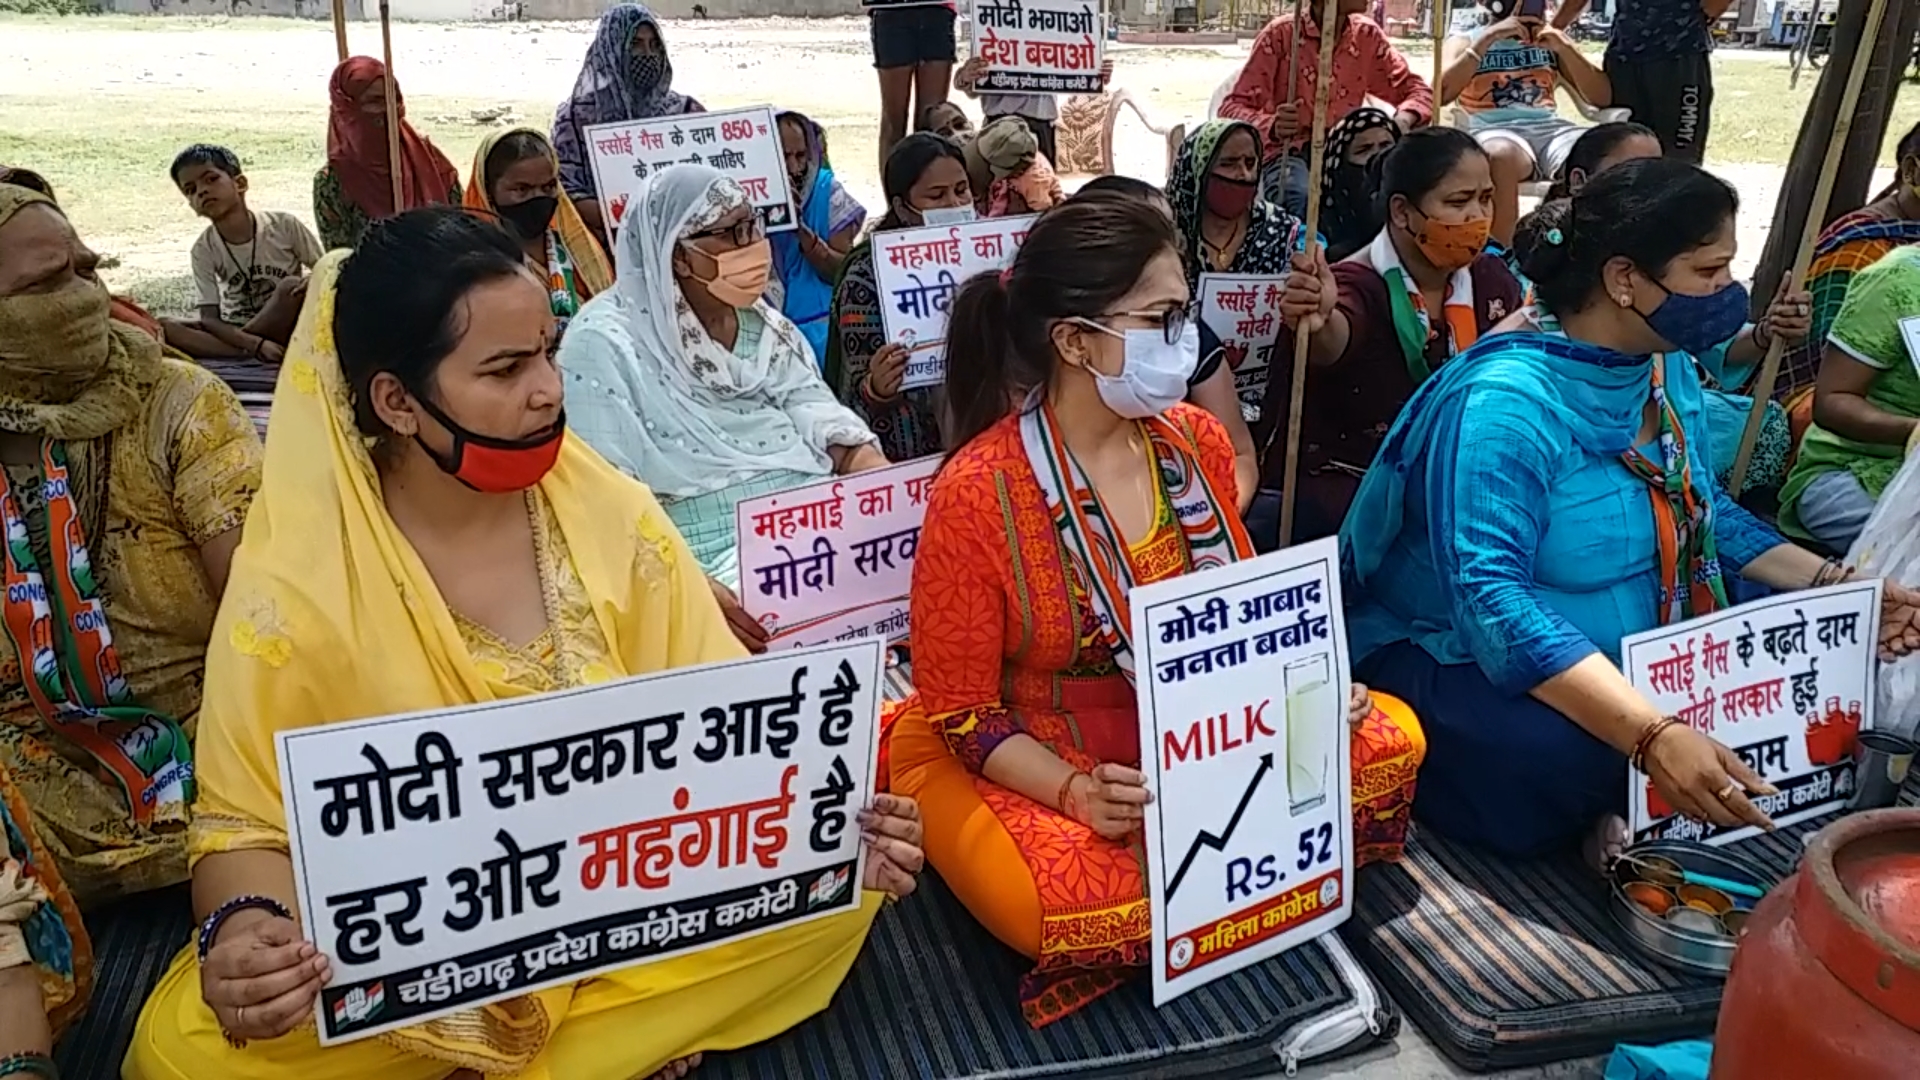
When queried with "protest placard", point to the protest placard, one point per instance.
{"points": [[1039, 46], [885, 621], [743, 143], [919, 270], [453, 858], [1910, 333], [1249, 839], [794, 544], [1785, 682], [1243, 311]]}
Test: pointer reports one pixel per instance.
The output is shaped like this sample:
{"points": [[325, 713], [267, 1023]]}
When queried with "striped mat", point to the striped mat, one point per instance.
{"points": [[1506, 964], [933, 997], [133, 941]]}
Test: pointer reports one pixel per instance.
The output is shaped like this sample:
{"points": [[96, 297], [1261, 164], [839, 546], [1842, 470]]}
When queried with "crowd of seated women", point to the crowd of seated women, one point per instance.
{"points": [[1523, 453]]}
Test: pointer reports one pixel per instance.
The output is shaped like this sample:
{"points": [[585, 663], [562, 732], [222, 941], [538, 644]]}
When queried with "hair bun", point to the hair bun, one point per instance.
{"points": [[1542, 239]]}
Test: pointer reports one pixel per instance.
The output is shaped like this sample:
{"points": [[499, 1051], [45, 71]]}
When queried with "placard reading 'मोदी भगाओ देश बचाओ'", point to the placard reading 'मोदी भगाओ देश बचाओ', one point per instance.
{"points": [[457, 857], [1242, 683]]}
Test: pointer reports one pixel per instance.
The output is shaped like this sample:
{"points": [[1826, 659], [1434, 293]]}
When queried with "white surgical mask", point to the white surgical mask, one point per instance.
{"points": [[1153, 374], [947, 215]]}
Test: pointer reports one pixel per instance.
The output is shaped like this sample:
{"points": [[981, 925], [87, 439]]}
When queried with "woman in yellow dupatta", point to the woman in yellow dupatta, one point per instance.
{"points": [[517, 177], [374, 583]]}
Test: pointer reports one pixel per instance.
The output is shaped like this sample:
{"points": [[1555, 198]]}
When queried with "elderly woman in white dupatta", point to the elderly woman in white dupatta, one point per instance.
{"points": [[685, 379]]}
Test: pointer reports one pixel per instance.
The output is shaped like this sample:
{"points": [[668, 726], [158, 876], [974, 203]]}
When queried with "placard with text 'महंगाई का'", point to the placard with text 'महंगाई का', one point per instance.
{"points": [[449, 859], [834, 546], [1786, 682], [918, 271], [1243, 311], [743, 143], [1039, 46], [1242, 678]]}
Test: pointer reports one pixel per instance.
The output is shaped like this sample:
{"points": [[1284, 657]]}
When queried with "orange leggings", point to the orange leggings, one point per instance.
{"points": [[979, 860]]}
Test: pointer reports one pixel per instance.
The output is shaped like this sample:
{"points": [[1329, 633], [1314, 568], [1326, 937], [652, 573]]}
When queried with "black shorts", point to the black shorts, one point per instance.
{"points": [[906, 36], [1671, 95]]}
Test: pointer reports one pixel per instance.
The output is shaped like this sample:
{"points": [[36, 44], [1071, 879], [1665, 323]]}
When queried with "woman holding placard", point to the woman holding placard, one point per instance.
{"points": [[1022, 742], [627, 76], [1382, 320], [398, 560], [926, 176], [1546, 495], [686, 379]]}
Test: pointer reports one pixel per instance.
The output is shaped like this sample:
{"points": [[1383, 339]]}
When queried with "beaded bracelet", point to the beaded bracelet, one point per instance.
{"points": [[211, 927], [29, 1064]]}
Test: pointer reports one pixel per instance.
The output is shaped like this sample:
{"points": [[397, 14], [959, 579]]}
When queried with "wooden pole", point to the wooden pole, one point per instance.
{"points": [[394, 163], [1293, 79], [1439, 35], [1316, 161], [1809, 234], [340, 29]]}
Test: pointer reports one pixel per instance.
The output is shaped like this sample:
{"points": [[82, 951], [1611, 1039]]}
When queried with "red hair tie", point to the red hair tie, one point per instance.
{"points": [[1006, 277]]}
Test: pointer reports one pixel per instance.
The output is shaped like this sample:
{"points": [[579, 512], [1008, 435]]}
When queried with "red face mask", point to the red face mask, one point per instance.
{"points": [[495, 466], [1230, 198]]}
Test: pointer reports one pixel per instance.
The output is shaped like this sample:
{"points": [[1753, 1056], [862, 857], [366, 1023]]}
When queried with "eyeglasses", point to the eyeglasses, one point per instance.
{"points": [[1171, 321], [747, 231]]}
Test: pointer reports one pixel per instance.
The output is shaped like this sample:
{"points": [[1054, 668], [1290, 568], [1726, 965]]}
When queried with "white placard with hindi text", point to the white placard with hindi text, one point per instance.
{"points": [[885, 621], [743, 143], [1243, 311], [833, 546], [1039, 46], [1242, 679], [1785, 682], [918, 271], [452, 858]]}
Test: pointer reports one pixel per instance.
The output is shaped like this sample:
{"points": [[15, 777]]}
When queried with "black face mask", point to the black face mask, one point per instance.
{"points": [[529, 220]]}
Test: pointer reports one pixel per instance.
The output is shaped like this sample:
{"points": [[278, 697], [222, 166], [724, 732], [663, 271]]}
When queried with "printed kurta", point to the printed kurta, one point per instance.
{"points": [[181, 473], [1004, 642]]}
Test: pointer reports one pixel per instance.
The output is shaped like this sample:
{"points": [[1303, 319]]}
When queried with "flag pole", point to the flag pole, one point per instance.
{"points": [[340, 29]]}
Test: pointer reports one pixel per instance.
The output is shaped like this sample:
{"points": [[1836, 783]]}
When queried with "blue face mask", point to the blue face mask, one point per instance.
{"points": [[1697, 324]]}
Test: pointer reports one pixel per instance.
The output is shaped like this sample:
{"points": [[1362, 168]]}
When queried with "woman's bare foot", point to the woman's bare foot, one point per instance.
{"points": [[677, 1069], [1606, 842]]}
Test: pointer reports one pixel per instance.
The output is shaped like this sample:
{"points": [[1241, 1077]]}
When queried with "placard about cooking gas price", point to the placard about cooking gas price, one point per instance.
{"points": [[453, 858], [1786, 682], [919, 270], [831, 547], [743, 143], [1243, 311], [1242, 680], [1039, 46]]}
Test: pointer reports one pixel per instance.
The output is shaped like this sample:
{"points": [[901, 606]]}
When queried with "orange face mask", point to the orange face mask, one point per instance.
{"points": [[1452, 245]]}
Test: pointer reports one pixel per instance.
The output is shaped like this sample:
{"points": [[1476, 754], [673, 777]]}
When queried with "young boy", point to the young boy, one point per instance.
{"points": [[250, 266]]}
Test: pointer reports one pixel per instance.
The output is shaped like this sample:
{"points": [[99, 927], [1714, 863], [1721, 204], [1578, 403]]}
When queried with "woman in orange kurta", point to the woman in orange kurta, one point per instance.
{"points": [[1022, 742]]}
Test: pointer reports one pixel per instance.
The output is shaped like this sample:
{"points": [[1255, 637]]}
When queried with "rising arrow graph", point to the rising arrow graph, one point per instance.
{"points": [[1219, 843]]}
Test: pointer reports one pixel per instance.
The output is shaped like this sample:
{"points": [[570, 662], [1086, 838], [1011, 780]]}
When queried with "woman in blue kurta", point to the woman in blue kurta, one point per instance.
{"points": [[1550, 492]]}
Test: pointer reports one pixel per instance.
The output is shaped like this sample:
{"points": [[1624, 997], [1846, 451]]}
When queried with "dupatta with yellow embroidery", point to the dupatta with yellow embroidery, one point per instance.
{"points": [[330, 616]]}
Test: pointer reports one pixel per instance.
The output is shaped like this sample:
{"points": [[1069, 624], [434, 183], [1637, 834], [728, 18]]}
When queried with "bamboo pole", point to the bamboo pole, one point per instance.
{"points": [[1316, 162], [1439, 35], [1809, 234], [1293, 82], [340, 29], [394, 163]]}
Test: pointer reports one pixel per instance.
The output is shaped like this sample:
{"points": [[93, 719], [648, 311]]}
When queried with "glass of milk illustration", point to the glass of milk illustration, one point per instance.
{"points": [[1313, 714]]}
